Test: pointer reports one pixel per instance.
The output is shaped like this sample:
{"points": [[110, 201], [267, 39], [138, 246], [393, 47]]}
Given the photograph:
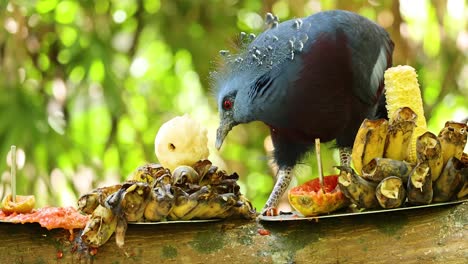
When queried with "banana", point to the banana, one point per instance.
{"points": [[149, 173], [218, 206], [428, 149], [134, 201], [419, 189], [130, 200], [464, 189], [185, 174], [160, 205], [184, 203], [380, 168], [88, 202], [99, 227], [453, 140], [243, 208], [400, 131], [154, 194], [215, 207], [358, 190], [391, 192], [450, 181], [464, 158], [120, 230], [369, 142], [201, 208]]}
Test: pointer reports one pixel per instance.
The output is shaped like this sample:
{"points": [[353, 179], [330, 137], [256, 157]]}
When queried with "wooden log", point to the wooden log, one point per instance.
{"points": [[431, 235]]}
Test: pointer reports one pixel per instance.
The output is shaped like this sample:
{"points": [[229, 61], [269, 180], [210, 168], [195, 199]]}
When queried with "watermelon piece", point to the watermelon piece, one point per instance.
{"points": [[310, 200]]}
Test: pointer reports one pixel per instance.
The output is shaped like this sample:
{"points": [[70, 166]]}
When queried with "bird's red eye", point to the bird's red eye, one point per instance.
{"points": [[227, 104]]}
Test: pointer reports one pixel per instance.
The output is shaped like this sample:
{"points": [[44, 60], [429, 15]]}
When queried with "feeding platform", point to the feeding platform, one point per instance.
{"points": [[425, 235]]}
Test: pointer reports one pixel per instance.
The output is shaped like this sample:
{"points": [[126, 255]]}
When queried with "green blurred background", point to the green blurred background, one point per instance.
{"points": [[85, 85]]}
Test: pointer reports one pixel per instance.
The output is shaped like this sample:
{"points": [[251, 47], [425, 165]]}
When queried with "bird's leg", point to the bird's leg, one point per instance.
{"points": [[345, 156], [284, 177]]}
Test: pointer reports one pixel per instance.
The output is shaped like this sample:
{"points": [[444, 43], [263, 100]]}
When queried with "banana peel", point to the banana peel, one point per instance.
{"points": [[23, 204]]}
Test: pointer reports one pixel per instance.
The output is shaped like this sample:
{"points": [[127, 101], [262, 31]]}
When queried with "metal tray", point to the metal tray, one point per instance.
{"points": [[147, 223], [176, 222], [295, 216]]}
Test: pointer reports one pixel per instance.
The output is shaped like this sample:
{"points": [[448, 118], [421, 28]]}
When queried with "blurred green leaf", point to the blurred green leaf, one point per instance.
{"points": [[44, 6], [66, 11], [96, 71]]}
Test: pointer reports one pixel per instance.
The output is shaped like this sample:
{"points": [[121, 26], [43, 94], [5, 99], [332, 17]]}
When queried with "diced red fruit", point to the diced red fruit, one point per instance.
{"points": [[93, 251], [310, 199], [263, 232]]}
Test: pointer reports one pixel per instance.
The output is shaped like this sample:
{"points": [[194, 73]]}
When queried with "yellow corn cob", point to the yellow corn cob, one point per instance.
{"points": [[402, 90]]}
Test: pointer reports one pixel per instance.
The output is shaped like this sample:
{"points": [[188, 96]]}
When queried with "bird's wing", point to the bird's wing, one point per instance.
{"points": [[371, 49]]}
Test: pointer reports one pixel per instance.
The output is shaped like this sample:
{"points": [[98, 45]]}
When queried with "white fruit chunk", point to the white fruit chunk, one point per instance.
{"points": [[181, 141]]}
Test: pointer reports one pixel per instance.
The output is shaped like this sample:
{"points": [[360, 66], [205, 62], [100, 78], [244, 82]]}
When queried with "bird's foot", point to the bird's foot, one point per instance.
{"points": [[270, 211], [283, 179], [345, 157]]}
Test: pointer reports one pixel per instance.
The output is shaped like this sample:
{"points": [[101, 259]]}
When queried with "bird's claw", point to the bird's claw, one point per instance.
{"points": [[270, 211]]}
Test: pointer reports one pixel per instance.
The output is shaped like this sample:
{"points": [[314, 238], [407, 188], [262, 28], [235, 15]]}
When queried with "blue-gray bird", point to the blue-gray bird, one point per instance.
{"points": [[316, 77]]}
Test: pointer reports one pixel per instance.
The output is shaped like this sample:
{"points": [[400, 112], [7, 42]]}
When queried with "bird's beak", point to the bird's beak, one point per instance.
{"points": [[222, 132]]}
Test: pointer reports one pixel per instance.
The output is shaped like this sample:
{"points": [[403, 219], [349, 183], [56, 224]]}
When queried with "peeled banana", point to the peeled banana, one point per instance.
{"points": [[185, 174], [120, 230], [419, 189], [185, 202], [464, 189], [453, 140], [358, 190], [450, 181], [149, 173], [211, 208], [134, 200], [369, 142], [391, 192], [243, 208], [429, 150], [154, 194], [400, 131], [402, 90], [380, 168], [87, 203], [161, 202], [99, 227]]}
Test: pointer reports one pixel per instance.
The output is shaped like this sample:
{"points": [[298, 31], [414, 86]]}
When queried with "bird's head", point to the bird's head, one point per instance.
{"points": [[226, 116], [233, 105], [248, 84]]}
